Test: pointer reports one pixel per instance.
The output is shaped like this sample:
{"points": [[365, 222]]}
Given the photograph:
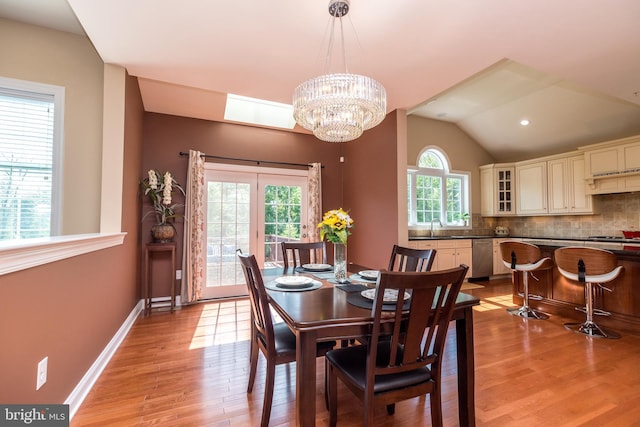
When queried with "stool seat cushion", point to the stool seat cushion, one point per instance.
{"points": [[593, 278], [531, 266]]}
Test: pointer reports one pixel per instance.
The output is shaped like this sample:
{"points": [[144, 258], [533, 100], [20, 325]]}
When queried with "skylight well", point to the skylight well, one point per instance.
{"points": [[258, 112]]}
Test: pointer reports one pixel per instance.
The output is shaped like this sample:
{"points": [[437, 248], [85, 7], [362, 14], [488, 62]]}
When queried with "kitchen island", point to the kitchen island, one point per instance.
{"points": [[562, 296]]}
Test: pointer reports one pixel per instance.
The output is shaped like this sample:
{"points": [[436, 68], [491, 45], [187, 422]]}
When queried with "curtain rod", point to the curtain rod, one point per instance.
{"points": [[211, 156]]}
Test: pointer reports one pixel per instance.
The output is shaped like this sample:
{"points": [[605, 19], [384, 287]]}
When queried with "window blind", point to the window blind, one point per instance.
{"points": [[26, 163]]}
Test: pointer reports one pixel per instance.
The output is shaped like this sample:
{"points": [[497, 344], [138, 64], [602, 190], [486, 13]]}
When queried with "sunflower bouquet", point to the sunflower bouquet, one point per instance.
{"points": [[335, 226]]}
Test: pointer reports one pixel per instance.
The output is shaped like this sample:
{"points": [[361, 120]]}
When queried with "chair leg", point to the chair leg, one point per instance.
{"points": [[526, 311], [436, 407], [268, 393], [369, 411], [253, 364], [332, 381], [589, 327], [326, 384]]}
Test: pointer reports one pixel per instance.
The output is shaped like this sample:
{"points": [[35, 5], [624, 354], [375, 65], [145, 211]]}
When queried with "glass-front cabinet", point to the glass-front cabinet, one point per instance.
{"points": [[497, 183]]}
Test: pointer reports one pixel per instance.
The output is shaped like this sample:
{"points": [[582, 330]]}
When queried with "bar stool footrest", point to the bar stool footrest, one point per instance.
{"points": [[596, 311], [600, 312]]}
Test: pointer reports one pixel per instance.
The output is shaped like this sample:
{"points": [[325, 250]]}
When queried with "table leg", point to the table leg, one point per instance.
{"points": [[466, 369], [306, 378]]}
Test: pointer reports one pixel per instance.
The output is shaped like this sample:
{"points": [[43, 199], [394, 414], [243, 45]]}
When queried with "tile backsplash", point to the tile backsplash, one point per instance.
{"points": [[616, 212]]}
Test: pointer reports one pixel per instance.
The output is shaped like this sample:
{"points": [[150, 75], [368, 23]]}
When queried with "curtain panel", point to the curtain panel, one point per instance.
{"points": [[314, 194], [193, 267]]}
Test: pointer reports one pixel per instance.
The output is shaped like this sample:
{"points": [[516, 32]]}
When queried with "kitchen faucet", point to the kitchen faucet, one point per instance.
{"points": [[432, 221]]}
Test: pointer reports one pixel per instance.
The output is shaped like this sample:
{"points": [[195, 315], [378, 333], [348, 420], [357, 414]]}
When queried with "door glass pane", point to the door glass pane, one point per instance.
{"points": [[282, 220], [228, 215]]}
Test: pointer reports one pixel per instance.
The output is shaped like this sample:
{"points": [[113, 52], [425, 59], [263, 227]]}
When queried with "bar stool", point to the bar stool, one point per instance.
{"points": [[525, 257], [590, 266]]}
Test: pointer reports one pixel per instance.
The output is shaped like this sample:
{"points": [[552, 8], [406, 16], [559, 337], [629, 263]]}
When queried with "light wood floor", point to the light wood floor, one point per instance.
{"points": [[190, 368]]}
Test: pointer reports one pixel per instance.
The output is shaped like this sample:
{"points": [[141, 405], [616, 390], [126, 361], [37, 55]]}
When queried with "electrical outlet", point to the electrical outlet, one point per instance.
{"points": [[178, 274], [42, 373]]}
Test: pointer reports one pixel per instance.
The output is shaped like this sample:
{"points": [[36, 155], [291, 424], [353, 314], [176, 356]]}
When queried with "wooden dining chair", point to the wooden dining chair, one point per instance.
{"points": [[406, 259], [301, 253], [409, 259], [275, 340], [409, 363]]}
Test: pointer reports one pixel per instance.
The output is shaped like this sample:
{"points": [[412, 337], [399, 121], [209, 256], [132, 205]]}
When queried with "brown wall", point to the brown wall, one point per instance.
{"points": [[165, 136], [70, 309], [371, 194]]}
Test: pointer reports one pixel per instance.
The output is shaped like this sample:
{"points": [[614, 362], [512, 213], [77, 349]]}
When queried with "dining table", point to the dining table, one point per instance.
{"points": [[326, 312]]}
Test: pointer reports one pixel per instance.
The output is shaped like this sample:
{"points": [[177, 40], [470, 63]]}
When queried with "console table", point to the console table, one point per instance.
{"points": [[147, 283]]}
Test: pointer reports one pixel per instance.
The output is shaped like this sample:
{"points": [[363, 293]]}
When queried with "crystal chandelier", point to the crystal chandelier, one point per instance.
{"points": [[339, 107]]}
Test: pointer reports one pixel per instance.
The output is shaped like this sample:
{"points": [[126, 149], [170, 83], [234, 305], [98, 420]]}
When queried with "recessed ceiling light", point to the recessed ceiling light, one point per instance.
{"points": [[524, 122]]}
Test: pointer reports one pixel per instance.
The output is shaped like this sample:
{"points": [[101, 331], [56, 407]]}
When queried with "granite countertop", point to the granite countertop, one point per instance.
{"points": [[616, 245], [576, 239]]}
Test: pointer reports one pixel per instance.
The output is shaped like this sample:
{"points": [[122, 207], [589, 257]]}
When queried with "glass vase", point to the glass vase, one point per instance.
{"points": [[340, 262]]}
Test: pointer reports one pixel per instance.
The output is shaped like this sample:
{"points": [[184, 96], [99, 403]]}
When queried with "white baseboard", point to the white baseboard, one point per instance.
{"points": [[83, 388]]}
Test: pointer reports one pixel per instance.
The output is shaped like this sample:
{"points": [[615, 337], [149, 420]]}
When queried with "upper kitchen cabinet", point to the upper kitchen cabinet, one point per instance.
{"points": [[553, 185], [497, 189], [531, 188], [566, 186], [613, 167]]}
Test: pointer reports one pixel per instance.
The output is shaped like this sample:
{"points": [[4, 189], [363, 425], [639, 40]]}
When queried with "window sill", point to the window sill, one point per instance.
{"points": [[446, 227], [19, 255]]}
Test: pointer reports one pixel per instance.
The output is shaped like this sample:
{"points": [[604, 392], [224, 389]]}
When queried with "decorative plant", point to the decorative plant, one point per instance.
{"points": [[159, 187], [335, 226]]}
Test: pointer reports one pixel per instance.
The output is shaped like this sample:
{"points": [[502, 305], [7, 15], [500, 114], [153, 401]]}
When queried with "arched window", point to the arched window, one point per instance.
{"points": [[435, 194]]}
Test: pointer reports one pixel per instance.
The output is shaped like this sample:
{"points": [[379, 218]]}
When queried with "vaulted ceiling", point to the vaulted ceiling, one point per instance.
{"points": [[571, 67]]}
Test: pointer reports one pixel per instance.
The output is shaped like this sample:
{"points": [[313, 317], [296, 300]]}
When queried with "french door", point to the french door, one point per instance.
{"points": [[249, 209]]}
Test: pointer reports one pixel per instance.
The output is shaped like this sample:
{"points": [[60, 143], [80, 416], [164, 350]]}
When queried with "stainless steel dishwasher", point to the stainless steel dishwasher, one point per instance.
{"points": [[481, 259]]}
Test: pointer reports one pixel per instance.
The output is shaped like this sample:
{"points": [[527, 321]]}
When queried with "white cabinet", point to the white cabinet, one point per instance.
{"points": [[452, 253], [579, 200], [557, 186], [566, 186], [553, 185], [423, 244], [531, 188], [613, 167], [497, 187], [498, 266]]}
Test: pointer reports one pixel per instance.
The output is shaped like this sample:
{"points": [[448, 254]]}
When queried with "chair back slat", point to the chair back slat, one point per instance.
{"points": [[295, 254], [417, 338], [260, 310], [410, 259]]}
